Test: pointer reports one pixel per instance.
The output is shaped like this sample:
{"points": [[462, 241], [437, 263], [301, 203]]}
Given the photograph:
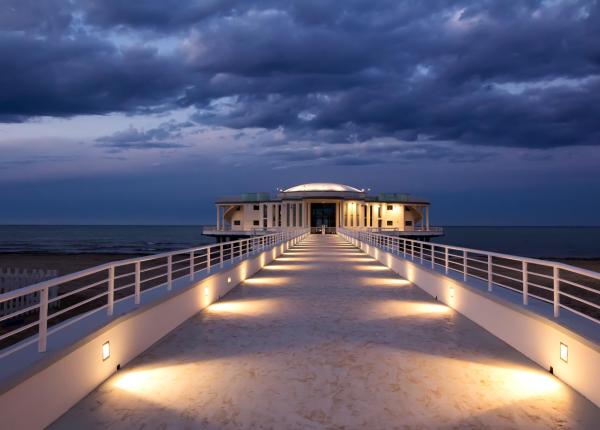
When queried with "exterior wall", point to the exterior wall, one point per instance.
{"points": [[395, 216], [349, 213], [411, 214], [237, 216], [533, 335], [33, 403]]}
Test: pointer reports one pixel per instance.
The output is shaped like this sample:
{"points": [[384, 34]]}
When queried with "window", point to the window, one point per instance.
{"points": [[278, 215], [236, 222], [406, 208], [300, 215], [256, 207], [294, 215], [390, 207], [238, 208], [408, 223], [256, 222], [390, 223]]}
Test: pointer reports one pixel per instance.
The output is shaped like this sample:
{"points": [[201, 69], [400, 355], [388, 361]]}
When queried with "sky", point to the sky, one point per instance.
{"points": [[122, 112]]}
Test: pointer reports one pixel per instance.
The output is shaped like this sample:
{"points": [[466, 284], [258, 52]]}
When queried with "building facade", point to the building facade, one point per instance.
{"points": [[321, 206]]}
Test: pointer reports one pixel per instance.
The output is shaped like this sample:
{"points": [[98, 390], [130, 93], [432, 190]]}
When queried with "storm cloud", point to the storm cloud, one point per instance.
{"points": [[485, 73]]}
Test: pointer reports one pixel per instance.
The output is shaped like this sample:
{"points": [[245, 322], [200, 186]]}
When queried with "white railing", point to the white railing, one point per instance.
{"points": [[62, 301], [408, 229], [211, 229], [319, 230], [561, 285]]}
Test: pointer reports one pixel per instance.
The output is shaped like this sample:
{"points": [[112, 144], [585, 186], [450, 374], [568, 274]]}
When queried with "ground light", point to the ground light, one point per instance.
{"points": [[105, 350], [564, 352]]}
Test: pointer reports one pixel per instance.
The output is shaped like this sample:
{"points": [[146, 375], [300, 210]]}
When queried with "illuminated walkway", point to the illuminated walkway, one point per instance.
{"points": [[325, 337]]}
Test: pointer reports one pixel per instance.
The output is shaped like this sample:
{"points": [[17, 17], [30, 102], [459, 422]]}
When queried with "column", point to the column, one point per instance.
{"points": [[427, 217], [306, 215], [218, 217]]}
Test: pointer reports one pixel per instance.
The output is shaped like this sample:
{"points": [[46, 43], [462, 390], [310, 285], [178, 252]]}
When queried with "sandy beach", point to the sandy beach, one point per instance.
{"points": [[63, 263]]}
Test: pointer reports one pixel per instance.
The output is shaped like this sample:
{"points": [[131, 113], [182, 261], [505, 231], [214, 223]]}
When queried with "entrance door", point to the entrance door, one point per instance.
{"points": [[322, 215]]}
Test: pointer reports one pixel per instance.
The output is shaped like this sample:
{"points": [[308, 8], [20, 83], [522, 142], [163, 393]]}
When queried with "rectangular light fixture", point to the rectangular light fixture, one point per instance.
{"points": [[105, 350], [205, 291], [564, 352], [229, 279], [451, 292]]}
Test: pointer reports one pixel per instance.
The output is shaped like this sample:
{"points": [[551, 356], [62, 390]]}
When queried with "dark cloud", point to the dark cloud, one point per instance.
{"points": [[165, 136], [489, 73]]}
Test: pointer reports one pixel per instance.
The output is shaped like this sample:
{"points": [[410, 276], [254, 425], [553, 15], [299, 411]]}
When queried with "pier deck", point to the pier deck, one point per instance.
{"points": [[326, 337]]}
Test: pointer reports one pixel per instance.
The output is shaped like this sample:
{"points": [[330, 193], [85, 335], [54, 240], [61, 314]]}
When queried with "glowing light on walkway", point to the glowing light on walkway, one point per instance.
{"points": [[267, 280], [371, 267], [403, 308], [246, 308]]}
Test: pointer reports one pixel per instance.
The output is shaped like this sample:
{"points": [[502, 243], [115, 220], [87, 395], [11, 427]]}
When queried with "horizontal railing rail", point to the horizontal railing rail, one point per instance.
{"points": [[561, 285], [62, 301], [412, 229], [323, 229], [253, 230]]}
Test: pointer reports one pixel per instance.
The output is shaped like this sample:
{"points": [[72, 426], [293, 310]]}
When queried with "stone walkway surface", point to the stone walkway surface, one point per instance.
{"points": [[326, 337]]}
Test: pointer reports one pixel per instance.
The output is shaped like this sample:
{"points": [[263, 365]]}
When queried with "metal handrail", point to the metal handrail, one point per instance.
{"points": [[195, 260], [564, 284], [413, 229]]}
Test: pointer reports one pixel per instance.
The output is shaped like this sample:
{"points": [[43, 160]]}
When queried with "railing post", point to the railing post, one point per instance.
{"points": [[525, 284], [490, 271], [446, 266], [464, 265], [221, 255], [43, 321], [208, 260], [412, 250], [421, 251], [111, 291], [192, 266], [432, 251], [556, 290], [170, 272], [137, 282]]}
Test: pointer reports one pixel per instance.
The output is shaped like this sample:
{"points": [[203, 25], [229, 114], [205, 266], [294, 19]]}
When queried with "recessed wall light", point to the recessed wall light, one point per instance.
{"points": [[205, 291], [564, 352], [451, 292], [229, 279], [105, 350]]}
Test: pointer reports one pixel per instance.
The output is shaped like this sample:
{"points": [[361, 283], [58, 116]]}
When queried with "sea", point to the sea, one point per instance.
{"points": [[537, 242]]}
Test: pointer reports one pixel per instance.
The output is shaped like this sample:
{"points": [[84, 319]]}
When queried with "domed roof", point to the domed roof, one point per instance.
{"points": [[322, 186]]}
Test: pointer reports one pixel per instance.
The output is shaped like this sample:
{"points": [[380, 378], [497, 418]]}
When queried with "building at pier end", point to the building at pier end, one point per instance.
{"points": [[323, 207]]}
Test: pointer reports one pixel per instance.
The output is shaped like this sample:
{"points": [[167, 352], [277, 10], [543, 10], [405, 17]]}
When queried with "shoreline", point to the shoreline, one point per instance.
{"points": [[65, 263]]}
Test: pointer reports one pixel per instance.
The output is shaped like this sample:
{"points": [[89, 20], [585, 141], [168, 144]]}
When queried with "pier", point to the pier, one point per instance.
{"points": [[326, 336]]}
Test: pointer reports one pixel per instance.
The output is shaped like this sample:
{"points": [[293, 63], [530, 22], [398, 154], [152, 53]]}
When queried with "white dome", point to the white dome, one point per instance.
{"points": [[322, 186]]}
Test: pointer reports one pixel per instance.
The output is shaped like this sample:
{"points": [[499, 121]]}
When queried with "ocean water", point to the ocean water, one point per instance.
{"points": [[536, 242], [541, 242], [113, 239]]}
